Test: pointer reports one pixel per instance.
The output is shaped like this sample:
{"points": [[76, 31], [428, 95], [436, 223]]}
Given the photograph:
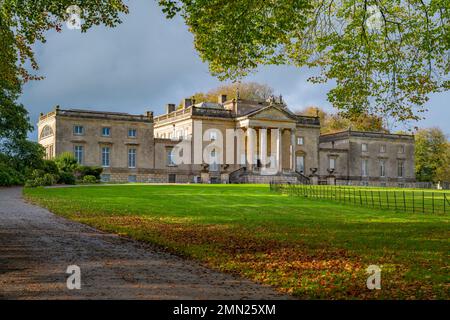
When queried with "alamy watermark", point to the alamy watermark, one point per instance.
{"points": [[374, 280], [73, 21], [74, 279], [249, 147]]}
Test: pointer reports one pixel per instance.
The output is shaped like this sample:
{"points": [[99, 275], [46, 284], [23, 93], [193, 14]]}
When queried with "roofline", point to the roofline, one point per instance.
{"points": [[93, 114], [368, 134]]}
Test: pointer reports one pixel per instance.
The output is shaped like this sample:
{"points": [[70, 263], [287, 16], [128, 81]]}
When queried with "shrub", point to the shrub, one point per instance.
{"points": [[66, 178], [66, 162], [83, 171], [9, 176], [47, 179], [89, 179], [49, 166]]}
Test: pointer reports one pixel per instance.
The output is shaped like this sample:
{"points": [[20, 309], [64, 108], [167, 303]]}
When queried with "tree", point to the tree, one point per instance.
{"points": [[443, 172], [432, 155], [335, 122], [247, 90], [384, 56], [23, 22]]}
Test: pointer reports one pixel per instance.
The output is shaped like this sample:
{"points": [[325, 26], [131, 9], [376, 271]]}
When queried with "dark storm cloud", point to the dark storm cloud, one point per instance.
{"points": [[143, 64]]}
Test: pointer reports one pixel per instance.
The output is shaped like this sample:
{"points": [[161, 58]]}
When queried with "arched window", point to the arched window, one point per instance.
{"points": [[46, 132]]}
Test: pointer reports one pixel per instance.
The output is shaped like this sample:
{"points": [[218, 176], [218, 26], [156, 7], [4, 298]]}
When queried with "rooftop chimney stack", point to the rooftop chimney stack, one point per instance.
{"points": [[187, 103], [222, 98], [170, 107]]}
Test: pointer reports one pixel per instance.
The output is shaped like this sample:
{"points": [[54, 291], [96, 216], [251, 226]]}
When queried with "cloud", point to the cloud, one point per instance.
{"points": [[149, 61]]}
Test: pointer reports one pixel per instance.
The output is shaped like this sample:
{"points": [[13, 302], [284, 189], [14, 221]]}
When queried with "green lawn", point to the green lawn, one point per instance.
{"points": [[309, 248]]}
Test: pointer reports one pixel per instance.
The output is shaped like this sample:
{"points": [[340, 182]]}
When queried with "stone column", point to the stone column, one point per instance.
{"points": [[251, 136], [293, 149], [263, 146], [280, 150]]}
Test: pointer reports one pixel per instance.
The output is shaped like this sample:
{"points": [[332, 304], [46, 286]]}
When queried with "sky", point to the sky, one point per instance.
{"points": [[149, 61]]}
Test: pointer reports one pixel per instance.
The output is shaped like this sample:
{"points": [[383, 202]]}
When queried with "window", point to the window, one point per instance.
{"points": [[382, 168], [46, 132], [401, 149], [105, 157], [78, 154], [300, 164], [213, 135], [332, 163], [365, 167], [401, 168], [132, 133], [364, 147], [170, 157], [78, 130], [106, 131], [132, 178], [383, 148], [132, 158], [300, 141], [105, 177]]}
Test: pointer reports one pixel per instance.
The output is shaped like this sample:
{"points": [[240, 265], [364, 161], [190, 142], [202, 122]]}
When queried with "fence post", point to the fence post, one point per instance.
{"points": [[387, 199], [432, 197], [395, 199], [423, 201], [371, 193], [360, 198], [379, 199], [404, 201]]}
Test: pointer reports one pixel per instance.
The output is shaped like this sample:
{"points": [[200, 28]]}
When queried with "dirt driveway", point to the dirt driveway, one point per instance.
{"points": [[36, 247]]}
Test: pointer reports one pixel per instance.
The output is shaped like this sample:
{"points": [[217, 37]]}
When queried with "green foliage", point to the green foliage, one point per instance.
{"points": [[432, 155], [83, 171], [9, 176], [49, 166], [247, 90], [390, 69], [40, 178], [66, 162], [335, 122], [66, 178], [90, 179]]}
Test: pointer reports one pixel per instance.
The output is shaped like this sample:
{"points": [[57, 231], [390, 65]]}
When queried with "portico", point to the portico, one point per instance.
{"points": [[270, 135]]}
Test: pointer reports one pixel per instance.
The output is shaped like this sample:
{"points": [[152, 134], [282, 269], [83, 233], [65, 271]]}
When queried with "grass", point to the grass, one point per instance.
{"points": [[308, 248]]}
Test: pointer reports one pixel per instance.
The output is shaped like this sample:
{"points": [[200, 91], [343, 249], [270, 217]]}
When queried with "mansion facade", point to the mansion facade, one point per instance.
{"points": [[143, 148]]}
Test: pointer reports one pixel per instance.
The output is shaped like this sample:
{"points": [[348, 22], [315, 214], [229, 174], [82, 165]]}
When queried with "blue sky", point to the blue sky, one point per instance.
{"points": [[149, 61]]}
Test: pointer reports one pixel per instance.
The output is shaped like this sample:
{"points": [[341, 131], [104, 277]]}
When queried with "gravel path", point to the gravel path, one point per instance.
{"points": [[36, 247]]}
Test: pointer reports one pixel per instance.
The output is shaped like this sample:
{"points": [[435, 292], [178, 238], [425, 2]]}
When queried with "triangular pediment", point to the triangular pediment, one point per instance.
{"points": [[271, 113]]}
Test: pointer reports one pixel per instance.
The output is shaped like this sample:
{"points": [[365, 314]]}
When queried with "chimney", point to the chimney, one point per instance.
{"points": [[222, 98], [170, 107], [149, 114], [187, 103]]}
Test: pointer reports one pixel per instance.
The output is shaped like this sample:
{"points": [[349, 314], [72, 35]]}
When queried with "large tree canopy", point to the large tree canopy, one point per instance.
{"points": [[384, 56]]}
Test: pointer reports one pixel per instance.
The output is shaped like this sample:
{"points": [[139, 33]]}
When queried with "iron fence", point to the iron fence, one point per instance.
{"points": [[413, 201]]}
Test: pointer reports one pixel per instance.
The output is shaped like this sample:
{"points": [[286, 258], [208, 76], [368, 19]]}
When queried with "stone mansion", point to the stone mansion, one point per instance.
{"points": [[143, 148]]}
